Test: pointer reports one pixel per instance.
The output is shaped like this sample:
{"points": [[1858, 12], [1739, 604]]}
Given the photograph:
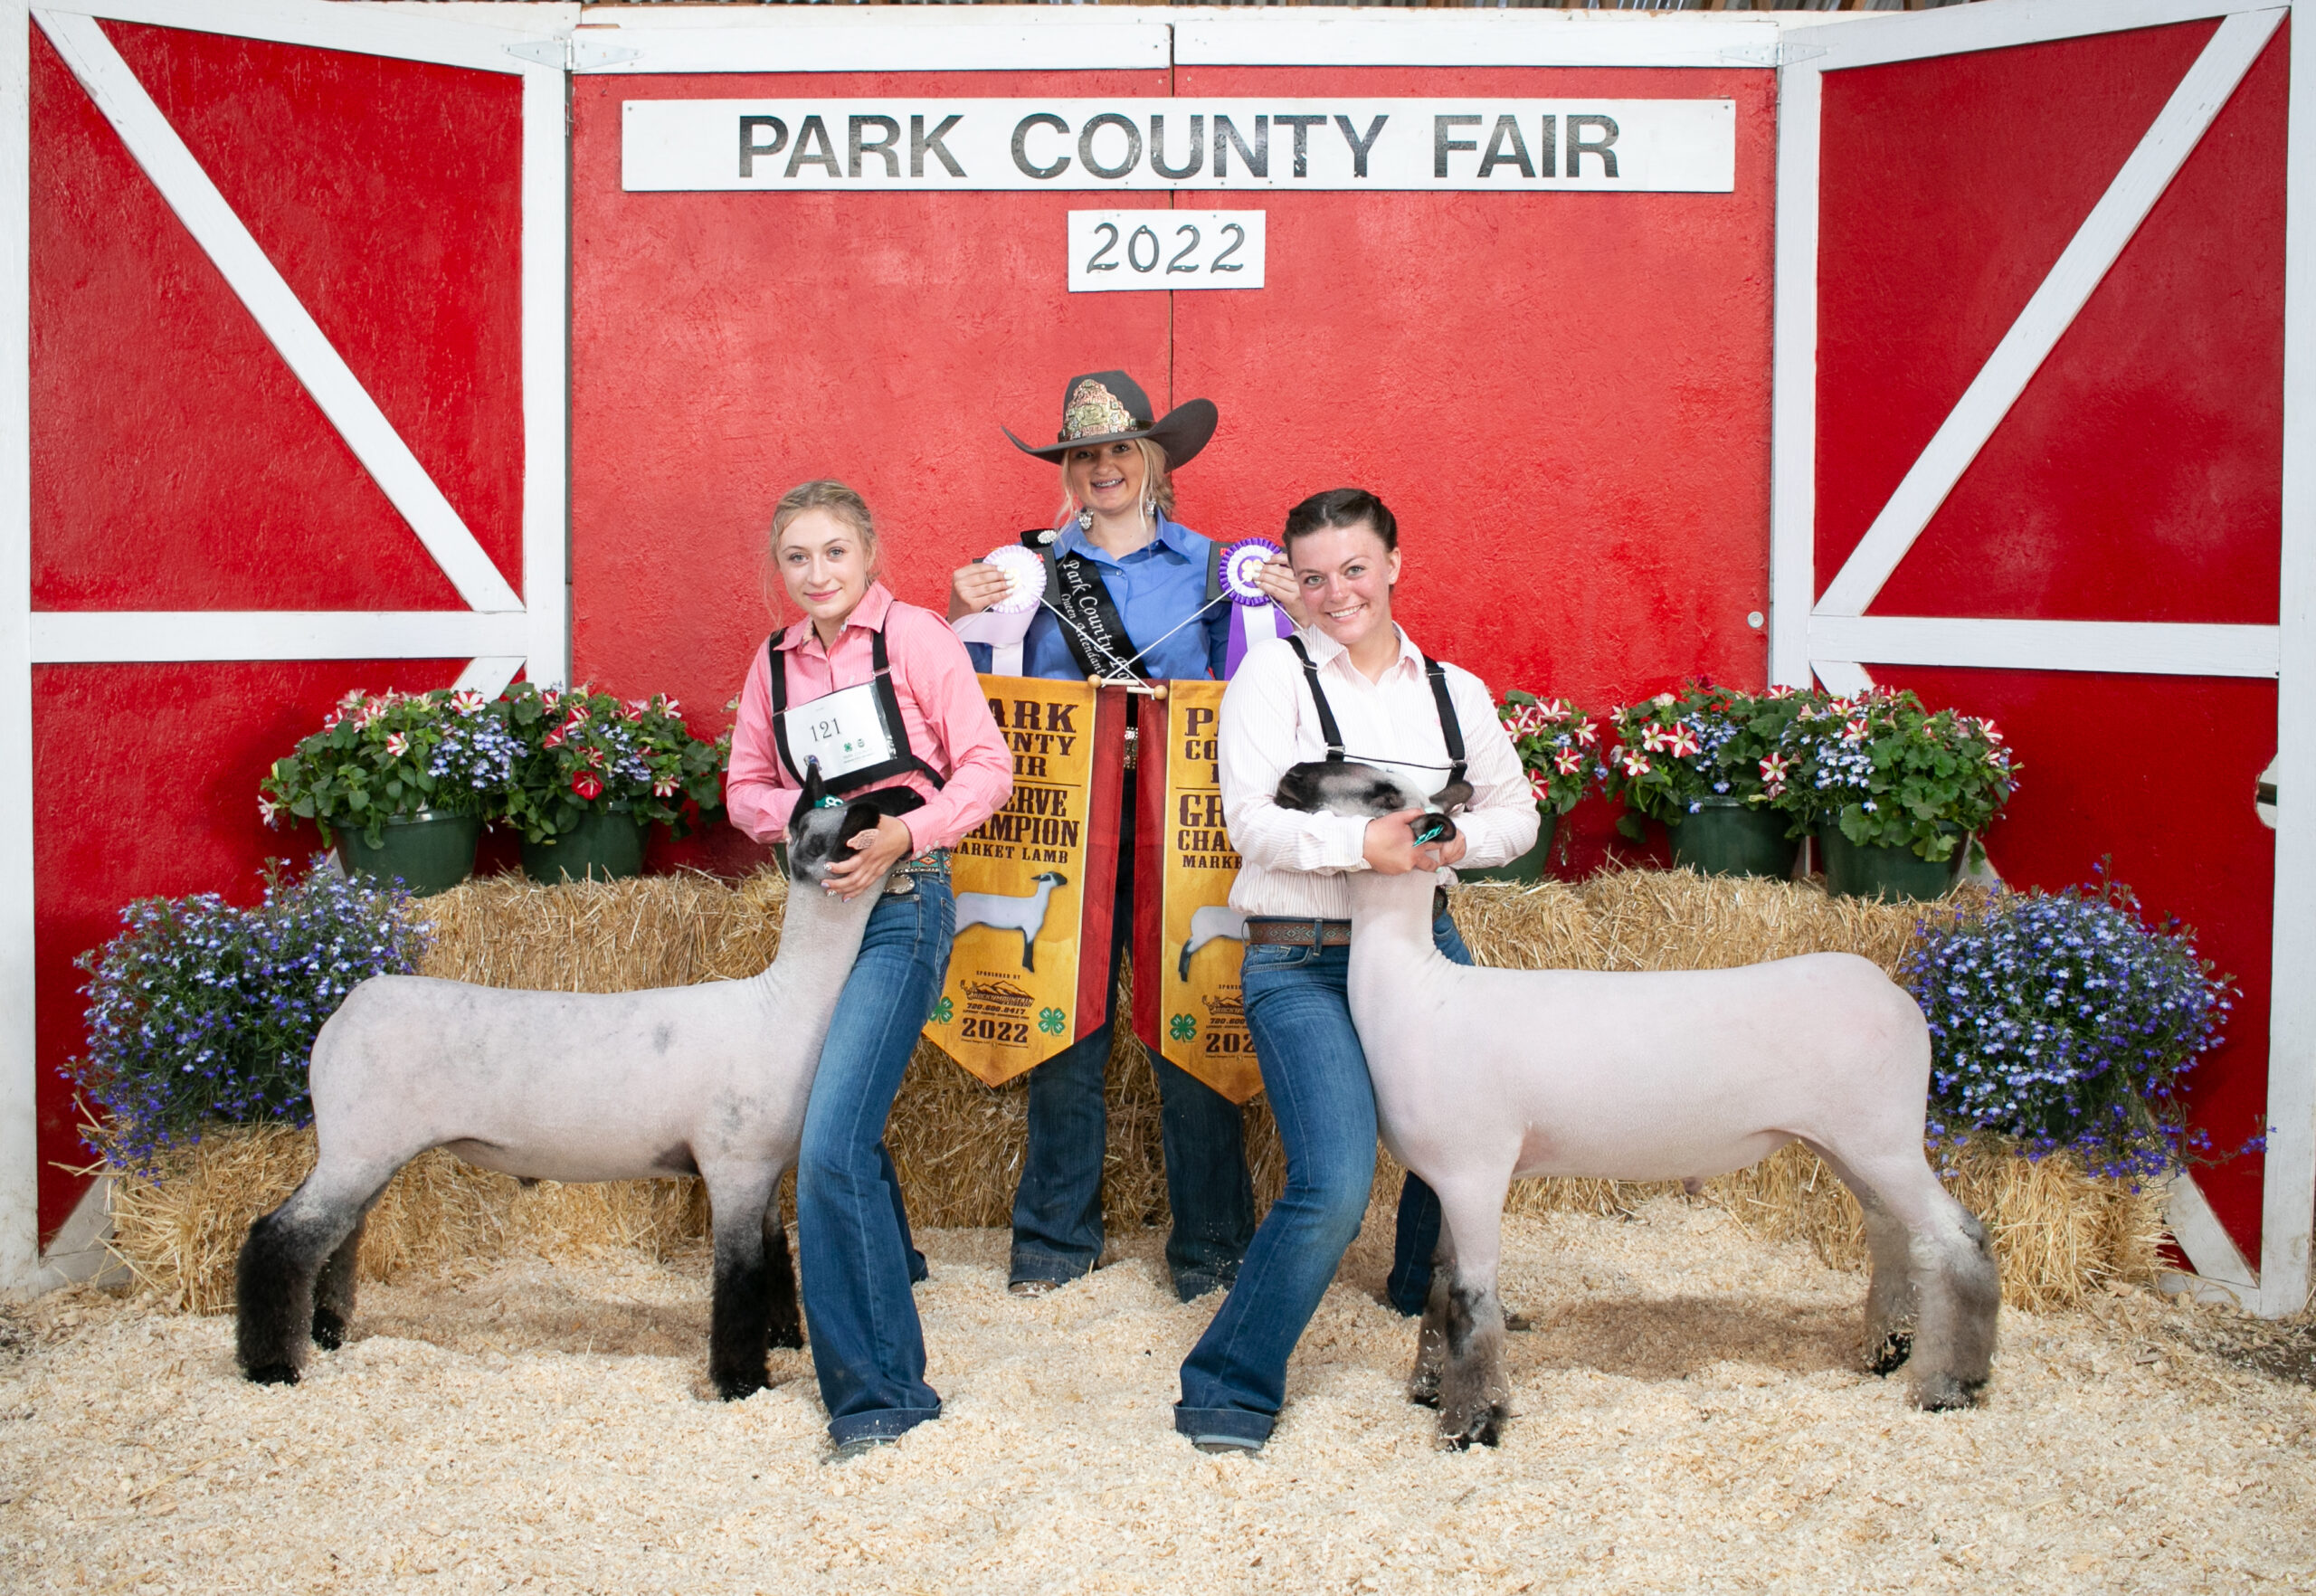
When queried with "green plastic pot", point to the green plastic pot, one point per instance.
{"points": [[1729, 837], [604, 846], [1530, 866], [427, 851], [1893, 873]]}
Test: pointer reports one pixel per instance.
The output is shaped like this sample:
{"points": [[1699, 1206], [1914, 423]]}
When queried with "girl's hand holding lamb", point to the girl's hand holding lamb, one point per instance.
{"points": [[874, 853], [1391, 848]]}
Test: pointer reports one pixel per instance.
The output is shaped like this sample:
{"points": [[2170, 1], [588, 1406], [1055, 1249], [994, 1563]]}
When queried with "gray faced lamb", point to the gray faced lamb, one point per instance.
{"points": [[709, 1079], [1482, 1076]]}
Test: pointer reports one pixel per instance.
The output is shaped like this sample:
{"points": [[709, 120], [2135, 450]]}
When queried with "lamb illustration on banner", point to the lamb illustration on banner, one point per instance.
{"points": [[1214, 923], [1000, 912]]}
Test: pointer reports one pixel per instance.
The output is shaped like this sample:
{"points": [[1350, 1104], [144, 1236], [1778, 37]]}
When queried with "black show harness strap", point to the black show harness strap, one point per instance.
{"points": [[889, 708], [1451, 729]]}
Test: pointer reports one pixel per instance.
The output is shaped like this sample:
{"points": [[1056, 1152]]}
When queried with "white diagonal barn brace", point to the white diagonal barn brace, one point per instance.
{"points": [[292, 329], [2079, 269]]}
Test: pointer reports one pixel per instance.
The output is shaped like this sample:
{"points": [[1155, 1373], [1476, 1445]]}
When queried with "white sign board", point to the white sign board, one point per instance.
{"points": [[1114, 250], [1521, 146]]}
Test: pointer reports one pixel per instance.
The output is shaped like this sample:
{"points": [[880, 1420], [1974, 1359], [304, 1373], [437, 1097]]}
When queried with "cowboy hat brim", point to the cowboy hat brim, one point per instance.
{"points": [[1181, 432]]}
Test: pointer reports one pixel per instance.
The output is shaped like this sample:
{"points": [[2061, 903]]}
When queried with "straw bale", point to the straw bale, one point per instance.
{"points": [[959, 1146]]}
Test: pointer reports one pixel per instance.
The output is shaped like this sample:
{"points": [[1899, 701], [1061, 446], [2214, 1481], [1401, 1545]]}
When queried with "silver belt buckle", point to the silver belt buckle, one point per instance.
{"points": [[900, 884]]}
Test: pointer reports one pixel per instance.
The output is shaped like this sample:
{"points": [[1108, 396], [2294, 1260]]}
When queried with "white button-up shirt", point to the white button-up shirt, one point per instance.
{"points": [[1295, 863]]}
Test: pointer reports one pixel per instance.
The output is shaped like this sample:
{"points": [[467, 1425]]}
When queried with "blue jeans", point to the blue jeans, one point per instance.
{"points": [[852, 1237], [1234, 1379], [1058, 1207]]}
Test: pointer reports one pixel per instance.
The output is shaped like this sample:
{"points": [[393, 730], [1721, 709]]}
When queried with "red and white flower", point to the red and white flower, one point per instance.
{"points": [[553, 739], [1773, 768], [397, 744], [1652, 738], [1854, 730], [467, 701], [1635, 763], [1681, 743], [1553, 709], [588, 785], [1540, 787], [1779, 691], [1588, 733], [267, 809], [664, 787], [1568, 761]]}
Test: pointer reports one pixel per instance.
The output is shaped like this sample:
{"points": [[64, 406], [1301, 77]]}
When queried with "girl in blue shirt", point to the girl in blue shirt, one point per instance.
{"points": [[1146, 584]]}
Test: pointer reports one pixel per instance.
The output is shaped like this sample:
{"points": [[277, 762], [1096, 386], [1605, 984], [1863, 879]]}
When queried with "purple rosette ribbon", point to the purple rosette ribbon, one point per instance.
{"points": [[1253, 617]]}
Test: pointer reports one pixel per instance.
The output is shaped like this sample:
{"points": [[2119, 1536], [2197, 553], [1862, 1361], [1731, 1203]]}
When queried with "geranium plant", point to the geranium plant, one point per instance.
{"points": [[382, 757], [1678, 751], [2065, 1021], [1891, 774], [584, 750], [200, 1010], [1558, 745]]}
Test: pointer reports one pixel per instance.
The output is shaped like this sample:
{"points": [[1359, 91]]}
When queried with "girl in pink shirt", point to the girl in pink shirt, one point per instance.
{"points": [[877, 700]]}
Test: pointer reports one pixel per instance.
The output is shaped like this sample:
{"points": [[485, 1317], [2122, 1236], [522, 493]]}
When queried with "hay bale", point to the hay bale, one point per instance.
{"points": [[959, 1144]]}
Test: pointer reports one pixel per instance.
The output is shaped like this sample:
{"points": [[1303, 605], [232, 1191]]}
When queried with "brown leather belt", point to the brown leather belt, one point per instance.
{"points": [[1270, 933]]}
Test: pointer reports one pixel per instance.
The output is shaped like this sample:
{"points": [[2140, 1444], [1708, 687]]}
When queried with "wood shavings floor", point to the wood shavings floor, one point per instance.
{"points": [[1688, 1420]]}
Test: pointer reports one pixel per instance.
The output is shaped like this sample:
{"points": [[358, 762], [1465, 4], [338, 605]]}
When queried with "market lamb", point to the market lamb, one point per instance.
{"points": [[1484, 1076], [709, 1079]]}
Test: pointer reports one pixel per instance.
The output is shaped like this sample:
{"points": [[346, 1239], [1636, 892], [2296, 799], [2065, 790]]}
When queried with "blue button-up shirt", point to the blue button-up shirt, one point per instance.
{"points": [[1156, 589]]}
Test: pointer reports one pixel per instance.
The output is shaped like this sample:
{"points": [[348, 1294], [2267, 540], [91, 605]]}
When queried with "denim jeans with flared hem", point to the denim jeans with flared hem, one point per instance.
{"points": [[852, 1237], [1315, 1076], [1058, 1207]]}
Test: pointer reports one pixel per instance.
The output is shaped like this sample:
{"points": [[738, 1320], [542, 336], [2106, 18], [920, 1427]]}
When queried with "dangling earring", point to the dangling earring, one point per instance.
{"points": [[1086, 520]]}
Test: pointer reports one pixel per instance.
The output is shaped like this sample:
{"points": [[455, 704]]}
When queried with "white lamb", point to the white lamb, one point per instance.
{"points": [[709, 1079], [1482, 1076]]}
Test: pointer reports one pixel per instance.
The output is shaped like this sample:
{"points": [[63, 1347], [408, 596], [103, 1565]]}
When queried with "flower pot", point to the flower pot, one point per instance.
{"points": [[1729, 837], [604, 846], [1529, 866], [1895, 873], [427, 852]]}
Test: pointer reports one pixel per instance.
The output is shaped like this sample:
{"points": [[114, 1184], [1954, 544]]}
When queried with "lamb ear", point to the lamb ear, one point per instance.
{"points": [[811, 797], [1454, 796], [857, 818], [1299, 788]]}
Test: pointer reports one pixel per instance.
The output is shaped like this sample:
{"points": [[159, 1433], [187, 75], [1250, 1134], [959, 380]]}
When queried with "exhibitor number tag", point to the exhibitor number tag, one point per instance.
{"points": [[845, 730]]}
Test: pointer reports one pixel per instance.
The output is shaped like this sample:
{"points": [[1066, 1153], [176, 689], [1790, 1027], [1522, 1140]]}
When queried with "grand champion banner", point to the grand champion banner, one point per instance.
{"points": [[1636, 145], [1187, 937], [1036, 883]]}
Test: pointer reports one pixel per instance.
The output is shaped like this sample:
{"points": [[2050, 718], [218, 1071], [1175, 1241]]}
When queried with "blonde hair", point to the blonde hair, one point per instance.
{"points": [[822, 493], [1157, 481]]}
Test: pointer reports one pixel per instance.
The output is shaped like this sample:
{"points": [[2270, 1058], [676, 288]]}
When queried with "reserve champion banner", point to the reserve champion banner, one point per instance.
{"points": [[1187, 937], [1036, 883], [1517, 146]]}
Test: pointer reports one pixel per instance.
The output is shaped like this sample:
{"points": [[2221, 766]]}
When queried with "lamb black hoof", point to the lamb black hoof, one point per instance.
{"points": [[329, 1330], [273, 1374], [739, 1388], [789, 1336], [1424, 1396], [1485, 1428], [1942, 1393], [1892, 1354]]}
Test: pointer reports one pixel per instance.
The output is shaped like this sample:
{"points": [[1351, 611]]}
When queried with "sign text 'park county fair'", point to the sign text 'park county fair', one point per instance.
{"points": [[1521, 145]]}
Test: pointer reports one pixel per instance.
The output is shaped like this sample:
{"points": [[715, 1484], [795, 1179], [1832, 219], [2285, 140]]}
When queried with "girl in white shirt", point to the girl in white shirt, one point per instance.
{"points": [[1354, 681]]}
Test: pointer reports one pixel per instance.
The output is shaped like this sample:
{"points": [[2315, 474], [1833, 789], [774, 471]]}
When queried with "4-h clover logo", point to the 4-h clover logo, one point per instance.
{"points": [[1049, 1021], [1181, 1028], [943, 1011]]}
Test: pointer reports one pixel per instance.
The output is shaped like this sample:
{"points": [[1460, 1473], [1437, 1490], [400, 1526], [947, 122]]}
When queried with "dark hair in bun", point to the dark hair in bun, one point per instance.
{"points": [[1342, 507]]}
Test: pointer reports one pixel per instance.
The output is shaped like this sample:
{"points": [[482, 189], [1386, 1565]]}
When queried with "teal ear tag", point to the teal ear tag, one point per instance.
{"points": [[830, 803]]}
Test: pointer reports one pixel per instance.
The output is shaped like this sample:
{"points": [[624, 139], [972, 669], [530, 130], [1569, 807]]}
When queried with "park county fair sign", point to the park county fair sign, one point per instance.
{"points": [[1644, 146]]}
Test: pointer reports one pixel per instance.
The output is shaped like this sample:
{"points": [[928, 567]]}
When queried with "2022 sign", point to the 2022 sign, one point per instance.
{"points": [[1161, 249]]}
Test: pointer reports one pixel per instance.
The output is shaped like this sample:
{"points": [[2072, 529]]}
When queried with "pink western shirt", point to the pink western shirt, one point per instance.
{"points": [[942, 708]]}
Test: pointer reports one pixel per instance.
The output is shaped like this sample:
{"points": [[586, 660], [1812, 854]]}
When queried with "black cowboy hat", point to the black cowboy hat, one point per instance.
{"points": [[1109, 406]]}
